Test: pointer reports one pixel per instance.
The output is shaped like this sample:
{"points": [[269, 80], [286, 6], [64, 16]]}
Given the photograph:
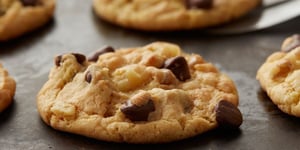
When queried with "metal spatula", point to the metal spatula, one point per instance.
{"points": [[273, 12]]}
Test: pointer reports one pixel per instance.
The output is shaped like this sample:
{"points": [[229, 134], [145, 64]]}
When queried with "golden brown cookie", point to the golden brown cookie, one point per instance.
{"points": [[7, 88], [163, 15], [18, 17], [279, 76], [150, 94]]}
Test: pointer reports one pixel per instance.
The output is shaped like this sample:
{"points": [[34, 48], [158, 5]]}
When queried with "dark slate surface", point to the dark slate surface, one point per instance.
{"points": [[76, 29]]}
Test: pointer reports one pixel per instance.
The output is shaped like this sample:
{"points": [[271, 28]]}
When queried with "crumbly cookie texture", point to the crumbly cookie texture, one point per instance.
{"points": [[150, 94], [7, 88], [18, 17], [279, 76], [165, 15]]}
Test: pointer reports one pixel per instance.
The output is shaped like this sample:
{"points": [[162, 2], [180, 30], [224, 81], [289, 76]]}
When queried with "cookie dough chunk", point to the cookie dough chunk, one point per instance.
{"points": [[279, 76], [7, 89], [150, 94], [18, 17], [164, 15]]}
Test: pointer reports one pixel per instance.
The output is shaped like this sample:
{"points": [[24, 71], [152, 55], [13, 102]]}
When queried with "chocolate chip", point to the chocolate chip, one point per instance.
{"points": [[79, 57], [88, 77], [58, 60], [29, 2], [103, 50], [195, 4], [295, 42], [228, 115], [138, 113], [2, 12], [179, 67]]}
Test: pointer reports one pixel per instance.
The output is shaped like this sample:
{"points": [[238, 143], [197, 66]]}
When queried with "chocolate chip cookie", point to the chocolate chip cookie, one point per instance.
{"points": [[7, 88], [279, 76], [18, 17], [150, 94], [163, 15]]}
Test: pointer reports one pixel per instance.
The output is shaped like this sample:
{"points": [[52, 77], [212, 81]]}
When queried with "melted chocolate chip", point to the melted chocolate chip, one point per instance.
{"points": [[228, 115], [88, 77], [179, 67], [103, 50], [29, 2], [79, 57], [138, 113], [2, 12], [196, 4], [295, 43], [58, 60]]}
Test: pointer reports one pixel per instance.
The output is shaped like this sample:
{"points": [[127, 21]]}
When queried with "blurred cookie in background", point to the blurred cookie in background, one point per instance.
{"points": [[18, 17], [279, 76], [7, 88], [168, 15]]}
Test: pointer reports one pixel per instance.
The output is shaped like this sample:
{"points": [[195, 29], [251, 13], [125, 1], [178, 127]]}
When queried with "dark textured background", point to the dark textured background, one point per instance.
{"points": [[76, 29]]}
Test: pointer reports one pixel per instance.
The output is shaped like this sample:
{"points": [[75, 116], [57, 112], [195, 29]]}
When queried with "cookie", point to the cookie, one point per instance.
{"points": [[7, 88], [279, 76], [166, 15], [18, 17], [150, 94]]}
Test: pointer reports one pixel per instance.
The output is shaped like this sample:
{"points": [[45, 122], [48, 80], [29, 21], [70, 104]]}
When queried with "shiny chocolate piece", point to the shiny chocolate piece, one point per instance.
{"points": [[2, 12], [295, 42], [179, 67], [228, 115], [106, 49], [58, 60], [29, 2], [88, 77], [137, 113], [199, 4], [79, 57]]}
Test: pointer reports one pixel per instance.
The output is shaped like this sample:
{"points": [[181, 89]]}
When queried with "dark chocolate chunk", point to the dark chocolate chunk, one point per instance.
{"points": [[294, 43], [58, 60], [179, 67], [138, 113], [199, 4], [88, 77], [2, 12], [79, 57], [29, 2], [228, 115], [103, 50]]}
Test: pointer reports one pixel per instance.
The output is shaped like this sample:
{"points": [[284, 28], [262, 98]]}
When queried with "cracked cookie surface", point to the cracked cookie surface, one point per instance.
{"points": [[7, 88], [164, 15], [18, 17], [150, 94], [279, 76]]}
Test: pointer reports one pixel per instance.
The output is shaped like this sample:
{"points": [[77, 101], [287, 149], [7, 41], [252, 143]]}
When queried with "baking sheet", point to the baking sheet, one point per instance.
{"points": [[76, 29]]}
